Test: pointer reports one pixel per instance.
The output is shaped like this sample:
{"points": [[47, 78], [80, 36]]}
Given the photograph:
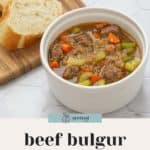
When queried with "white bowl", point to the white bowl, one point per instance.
{"points": [[94, 99]]}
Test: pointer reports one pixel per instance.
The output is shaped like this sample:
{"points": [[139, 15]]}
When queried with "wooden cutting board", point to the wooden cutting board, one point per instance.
{"points": [[14, 64]]}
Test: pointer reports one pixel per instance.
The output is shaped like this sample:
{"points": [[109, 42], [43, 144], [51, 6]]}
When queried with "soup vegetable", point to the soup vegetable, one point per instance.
{"points": [[94, 54]]}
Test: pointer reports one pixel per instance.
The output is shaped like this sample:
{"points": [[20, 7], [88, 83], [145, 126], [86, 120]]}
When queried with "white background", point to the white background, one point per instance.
{"points": [[13, 130], [29, 95]]}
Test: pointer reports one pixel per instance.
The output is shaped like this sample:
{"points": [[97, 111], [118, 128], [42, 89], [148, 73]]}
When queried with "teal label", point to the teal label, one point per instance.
{"points": [[75, 118]]}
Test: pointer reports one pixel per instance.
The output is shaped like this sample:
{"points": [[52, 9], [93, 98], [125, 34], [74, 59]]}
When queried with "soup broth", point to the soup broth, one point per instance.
{"points": [[94, 54]]}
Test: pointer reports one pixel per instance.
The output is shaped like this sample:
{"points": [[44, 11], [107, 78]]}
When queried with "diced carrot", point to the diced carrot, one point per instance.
{"points": [[54, 64], [96, 35], [87, 69], [64, 38], [113, 38], [94, 78], [66, 48]]}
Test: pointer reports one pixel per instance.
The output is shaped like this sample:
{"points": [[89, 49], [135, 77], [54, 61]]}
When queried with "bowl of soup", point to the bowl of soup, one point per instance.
{"points": [[94, 59]]}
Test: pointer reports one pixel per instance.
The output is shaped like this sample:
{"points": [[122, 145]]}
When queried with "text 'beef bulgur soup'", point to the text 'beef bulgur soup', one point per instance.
{"points": [[94, 54]]}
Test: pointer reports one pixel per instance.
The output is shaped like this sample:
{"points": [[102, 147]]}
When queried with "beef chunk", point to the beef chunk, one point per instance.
{"points": [[83, 39], [111, 28], [57, 54], [70, 72], [112, 73]]}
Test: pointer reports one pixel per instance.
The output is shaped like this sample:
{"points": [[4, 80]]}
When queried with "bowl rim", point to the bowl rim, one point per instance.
{"points": [[117, 12]]}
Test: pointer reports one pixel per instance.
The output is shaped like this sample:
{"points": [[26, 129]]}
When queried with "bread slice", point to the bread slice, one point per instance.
{"points": [[22, 22]]}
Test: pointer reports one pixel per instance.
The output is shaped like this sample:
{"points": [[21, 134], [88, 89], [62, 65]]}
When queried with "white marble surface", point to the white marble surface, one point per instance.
{"points": [[29, 95]]}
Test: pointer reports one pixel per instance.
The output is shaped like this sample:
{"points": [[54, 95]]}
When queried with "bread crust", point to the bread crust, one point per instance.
{"points": [[9, 38], [30, 39], [6, 4]]}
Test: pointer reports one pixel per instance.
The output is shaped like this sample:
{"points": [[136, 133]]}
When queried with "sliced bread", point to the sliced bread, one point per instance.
{"points": [[22, 22]]}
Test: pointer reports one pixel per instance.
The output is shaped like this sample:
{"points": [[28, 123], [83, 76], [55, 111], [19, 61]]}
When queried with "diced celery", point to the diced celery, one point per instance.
{"points": [[132, 65], [129, 66], [101, 82], [126, 45], [129, 46], [130, 50], [84, 76], [85, 83], [76, 61], [76, 30], [100, 55], [127, 58]]}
